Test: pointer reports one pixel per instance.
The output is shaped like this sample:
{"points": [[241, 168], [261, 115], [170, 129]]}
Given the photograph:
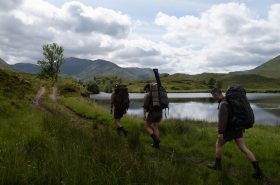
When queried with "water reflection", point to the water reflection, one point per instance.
{"points": [[199, 106]]}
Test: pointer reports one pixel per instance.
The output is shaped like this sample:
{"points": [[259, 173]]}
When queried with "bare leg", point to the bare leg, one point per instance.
{"points": [[118, 123], [242, 146], [219, 147], [155, 127], [148, 127]]}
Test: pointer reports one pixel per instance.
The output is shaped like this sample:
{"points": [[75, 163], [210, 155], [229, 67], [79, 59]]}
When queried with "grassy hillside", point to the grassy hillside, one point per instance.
{"points": [[199, 83], [269, 69], [56, 146], [4, 65]]}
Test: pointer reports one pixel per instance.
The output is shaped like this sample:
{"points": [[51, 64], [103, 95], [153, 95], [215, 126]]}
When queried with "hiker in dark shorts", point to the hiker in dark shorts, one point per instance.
{"points": [[226, 133], [120, 108], [151, 117]]}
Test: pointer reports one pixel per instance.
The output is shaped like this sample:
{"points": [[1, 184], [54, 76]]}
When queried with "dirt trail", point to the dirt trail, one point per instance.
{"points": [[37, 101], [54, 97]]}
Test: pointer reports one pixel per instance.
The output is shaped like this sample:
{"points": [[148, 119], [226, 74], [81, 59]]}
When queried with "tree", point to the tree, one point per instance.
{"points": [[108, 87], [53, 59], [211, 83], [218, 84], [93, 88]]}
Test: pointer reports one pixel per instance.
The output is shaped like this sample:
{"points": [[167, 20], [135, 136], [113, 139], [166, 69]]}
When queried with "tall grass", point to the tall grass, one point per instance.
{"points": [[197, 139]]}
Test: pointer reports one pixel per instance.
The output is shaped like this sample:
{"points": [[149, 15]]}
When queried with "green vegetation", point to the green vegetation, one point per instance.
{"points": [[56, 146], [270, 69], [4, 65], [204, 82], [53, 59]]}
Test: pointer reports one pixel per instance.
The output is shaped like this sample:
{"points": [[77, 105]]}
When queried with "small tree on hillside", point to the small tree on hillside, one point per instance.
{"points": [[218, 84], [93, 87], [53, 59], [211, 83]]}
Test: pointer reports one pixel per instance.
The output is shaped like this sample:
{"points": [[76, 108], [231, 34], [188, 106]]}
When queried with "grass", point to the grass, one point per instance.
{"points": [[197, 139], [58, 148]]}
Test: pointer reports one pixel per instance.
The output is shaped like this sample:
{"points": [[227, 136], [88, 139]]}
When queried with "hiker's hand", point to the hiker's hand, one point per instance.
{"points": [[144, 118]]}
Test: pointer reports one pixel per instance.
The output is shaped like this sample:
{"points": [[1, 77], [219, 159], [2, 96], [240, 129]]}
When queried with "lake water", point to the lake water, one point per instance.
{"points": [[200, 106]]}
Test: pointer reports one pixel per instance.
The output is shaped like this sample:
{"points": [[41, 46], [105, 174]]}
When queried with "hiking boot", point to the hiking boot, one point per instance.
{"points": [[258, 172], [258, 175], [214, 166], [156, 144], [125, 132], [156, 141], [217, 165], [122, 130]]}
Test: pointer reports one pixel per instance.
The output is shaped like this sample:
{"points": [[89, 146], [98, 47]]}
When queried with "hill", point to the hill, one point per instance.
{"points": [[86, 69], [26, 67], [200, 82], [75, 142], [262, 78], [4, 65], [269, 69]]}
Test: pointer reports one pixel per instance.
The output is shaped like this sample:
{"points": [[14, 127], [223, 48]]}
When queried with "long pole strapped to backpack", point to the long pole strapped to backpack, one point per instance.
{"points": [[163, 98], [157, 77]]}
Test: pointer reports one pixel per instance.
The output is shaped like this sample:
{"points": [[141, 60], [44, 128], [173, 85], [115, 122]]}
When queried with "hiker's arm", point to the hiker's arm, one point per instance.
{"points": [[146, 106], [112, 101], [223, 118], [145, 114]]}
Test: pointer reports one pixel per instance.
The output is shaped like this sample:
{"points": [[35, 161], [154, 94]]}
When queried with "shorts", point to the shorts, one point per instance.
{"points": [[154, 116], [118, 114], [232, 134]]}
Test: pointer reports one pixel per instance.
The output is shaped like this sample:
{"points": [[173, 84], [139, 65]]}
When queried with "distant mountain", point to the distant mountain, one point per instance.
{"points": [[269, 69], [27, 67], [4, 65], [86, 69]]}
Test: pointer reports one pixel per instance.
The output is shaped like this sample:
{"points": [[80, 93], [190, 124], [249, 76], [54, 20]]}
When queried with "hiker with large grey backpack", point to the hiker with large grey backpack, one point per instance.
{"points": [[155, 100], [235, 115], [120, 105]]}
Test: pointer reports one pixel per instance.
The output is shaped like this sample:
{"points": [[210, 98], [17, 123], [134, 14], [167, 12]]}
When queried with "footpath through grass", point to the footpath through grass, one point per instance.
{"points": [[197, 139]]}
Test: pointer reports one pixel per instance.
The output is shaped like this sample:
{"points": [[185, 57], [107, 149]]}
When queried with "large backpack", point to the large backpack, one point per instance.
{"points": [[159, 94], [121, 98], [242, 113]]}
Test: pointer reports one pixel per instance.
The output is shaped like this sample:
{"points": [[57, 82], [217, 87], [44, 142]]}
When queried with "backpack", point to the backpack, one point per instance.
{"points": [[121, 98], [155, 100], [242, 113], [159, 94]]}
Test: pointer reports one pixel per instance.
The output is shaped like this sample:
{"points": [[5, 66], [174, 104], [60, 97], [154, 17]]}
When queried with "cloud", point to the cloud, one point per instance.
{"points": [[223, 38], [8, 5], [227, 35], [83, 30]]}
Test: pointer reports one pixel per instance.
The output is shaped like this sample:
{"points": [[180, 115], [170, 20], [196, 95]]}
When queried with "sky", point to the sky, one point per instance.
{"points": [[175, 36]]}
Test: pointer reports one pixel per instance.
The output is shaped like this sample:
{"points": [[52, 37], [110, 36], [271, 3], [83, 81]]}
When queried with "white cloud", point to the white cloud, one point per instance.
{"points": [[229, 36], [223, 38]]}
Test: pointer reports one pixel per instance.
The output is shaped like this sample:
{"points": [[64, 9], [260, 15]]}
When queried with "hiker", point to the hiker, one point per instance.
{"points": [[227, 132], [120, 104], [152, 116]]}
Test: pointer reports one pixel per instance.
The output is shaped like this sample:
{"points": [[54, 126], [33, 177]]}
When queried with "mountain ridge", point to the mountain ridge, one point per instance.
{"points": [[85, 69]]}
